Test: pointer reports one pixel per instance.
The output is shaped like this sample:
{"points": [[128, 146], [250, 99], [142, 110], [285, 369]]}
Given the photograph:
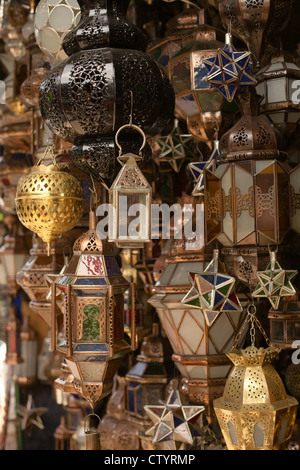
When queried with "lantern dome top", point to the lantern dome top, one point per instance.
{"points": [[253, 136], [253, 356], [91, 242]]}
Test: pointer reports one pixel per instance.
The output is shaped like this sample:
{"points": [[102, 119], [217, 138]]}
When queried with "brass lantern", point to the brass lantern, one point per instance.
{"points": [[49, 200], [130, 190], [255, 413], [93, 333], [276, 85]]}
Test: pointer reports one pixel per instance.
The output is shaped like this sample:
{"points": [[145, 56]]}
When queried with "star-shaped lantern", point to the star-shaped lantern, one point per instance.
{"points": [[176, 147], [274, 283], [174, 421], [229, 70], [31, 416], [212, 291], [197, 169]]}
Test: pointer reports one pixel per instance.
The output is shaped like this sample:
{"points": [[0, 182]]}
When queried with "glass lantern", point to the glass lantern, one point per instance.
{"points": [[130, 194], [276, 84]]}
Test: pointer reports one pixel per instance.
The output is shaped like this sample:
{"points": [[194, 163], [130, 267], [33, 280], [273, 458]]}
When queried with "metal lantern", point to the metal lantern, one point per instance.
{"points": [[255, 413], [13, 254], [30, 88], [148, 378], [107, 66], [285, 323], [62, 436], [255, 22], [26, 372], [53, 20], [199, 348], [93, 332], [49, 201], [276, 85], [13, 343], [295, 199], [116, 432], [130, 190], [247, 197]]}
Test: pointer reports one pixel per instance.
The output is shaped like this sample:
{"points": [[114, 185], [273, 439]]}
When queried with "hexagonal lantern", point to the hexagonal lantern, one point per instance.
{"points": [[199, 349], [255, 412], [93, 290], [285, 323]]}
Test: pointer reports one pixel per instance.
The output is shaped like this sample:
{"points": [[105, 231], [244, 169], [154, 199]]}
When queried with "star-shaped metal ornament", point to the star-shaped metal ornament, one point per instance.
{"points": [[229, 70], [174, 421], [197, 169], [176, 147], [31, 416], [212, 291], [274, 283]]}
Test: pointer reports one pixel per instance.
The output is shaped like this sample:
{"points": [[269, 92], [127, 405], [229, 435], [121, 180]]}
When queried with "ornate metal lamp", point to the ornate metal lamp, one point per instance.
{"points": [[93, 290], [255, 413], [276, 85], [147, 380], [285, 322]]}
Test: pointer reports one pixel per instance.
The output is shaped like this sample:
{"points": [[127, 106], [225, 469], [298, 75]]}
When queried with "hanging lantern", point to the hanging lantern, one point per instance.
{"points": [[13, 342], [174, 423], [116, 432], [49, 201], [276, 85], [255, 412], [130, 194], [176, 147], [294, 198], [197, 169], [93, 334], [285, 323], [247, 201], [105, 71], [13, 253], [62, 436], [147, 379], [274, 283], [257, 22], [292, 380], [30, 88], [26, 372], [199, 348], [229, 70], [53, 20]]}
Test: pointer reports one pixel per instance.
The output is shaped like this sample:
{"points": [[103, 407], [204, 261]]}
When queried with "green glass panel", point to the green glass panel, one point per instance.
{"points": [[91, 326], [210, 100], [224, 290]]}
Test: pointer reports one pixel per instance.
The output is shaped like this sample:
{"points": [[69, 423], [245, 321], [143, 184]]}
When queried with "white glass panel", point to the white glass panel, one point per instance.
{"points": [[73, 369], [49, 40], [232, 433], [61, 18], [258, 435], [277, 90], [197, 372], [92, 372], [219, 372], [221, 331], [166, 275], [190, 332]]}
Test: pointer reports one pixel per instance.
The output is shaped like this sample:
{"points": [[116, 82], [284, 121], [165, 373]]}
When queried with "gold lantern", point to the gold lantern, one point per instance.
{"points": [[93, 333], [49, 200], [130, 190], [255, 412]]}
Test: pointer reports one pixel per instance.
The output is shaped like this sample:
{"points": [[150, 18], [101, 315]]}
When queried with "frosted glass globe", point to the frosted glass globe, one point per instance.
{"points": [[53, 20]]}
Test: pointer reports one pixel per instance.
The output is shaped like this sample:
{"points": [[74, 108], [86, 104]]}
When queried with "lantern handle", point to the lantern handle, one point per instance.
{"points": [[86, 418], [137, 128], [49, 150]]}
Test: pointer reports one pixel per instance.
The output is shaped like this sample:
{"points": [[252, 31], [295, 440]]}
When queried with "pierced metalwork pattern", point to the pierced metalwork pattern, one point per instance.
{"points": [[213, 205], [136, 72], [241, 138], [245, 202], [295, 201], [265, 201], [264, 138]]}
